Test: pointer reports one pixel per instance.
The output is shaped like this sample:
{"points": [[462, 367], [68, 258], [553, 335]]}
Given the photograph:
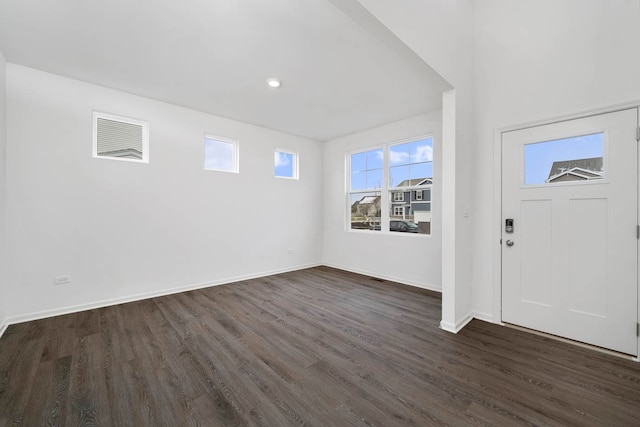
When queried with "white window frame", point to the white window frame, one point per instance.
{"points": [[294, 160], [385, 190], [350, 192], [420, 192], [398, 196], [235, 152], [398, 208], [113, 117]]}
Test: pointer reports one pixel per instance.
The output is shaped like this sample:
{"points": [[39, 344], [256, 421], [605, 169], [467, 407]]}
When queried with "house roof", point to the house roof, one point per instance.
{"points": [[591, 165], [368, 200], [576, 170], [415, 181]]}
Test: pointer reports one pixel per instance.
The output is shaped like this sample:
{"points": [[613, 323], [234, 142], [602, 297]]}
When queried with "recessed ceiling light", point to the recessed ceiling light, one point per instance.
{"points": [[273, 82]]}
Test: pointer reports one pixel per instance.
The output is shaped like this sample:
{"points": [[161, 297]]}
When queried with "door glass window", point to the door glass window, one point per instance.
{"points": [[578, 158]]}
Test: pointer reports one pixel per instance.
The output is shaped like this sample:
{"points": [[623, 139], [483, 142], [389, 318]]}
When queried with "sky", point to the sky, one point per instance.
{"points": [[406, 161], [218, 155], [283, 164], [539, 157]]}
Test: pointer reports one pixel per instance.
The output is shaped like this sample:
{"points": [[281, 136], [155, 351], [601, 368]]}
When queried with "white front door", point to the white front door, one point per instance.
{"points": [[569, 265]]}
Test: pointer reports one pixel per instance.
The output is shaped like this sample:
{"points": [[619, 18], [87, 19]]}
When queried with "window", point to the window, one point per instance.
{"points": [[366, 169], [410, 163], [286, 164], [366, 177], [409, 170], [575, 159], [120, 138], [220, 154]]}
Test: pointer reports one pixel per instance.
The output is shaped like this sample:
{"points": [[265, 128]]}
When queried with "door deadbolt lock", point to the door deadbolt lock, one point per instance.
{"points": [[510, 243], [508, 225]]}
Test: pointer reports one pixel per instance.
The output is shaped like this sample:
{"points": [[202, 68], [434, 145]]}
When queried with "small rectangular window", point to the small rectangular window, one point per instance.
{"points": [[120, 138], [418, 194], [220, 154], [574, 159], [398, 196], [286, 164]]}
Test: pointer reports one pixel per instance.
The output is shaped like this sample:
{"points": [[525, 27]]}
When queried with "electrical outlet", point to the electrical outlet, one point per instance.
{"points": [[62, 280]]}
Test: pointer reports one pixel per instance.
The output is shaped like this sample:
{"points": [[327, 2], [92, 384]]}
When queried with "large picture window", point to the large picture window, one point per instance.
{"points": [[390, 187]]}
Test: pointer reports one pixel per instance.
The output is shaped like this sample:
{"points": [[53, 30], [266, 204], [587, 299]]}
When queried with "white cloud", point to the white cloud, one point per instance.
{"points": [[218, 155], [282, 159], [398, 157], [423, 153]]}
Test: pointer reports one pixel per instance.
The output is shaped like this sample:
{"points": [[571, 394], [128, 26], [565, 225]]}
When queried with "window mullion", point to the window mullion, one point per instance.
{"points": [[384, 195]]}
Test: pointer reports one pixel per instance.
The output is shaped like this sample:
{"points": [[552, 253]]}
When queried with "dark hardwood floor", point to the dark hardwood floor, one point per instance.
{"points": [[317, 347]]}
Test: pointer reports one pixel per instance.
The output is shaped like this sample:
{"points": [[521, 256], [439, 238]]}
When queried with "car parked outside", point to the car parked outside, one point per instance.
{"points": [[403, 226]]}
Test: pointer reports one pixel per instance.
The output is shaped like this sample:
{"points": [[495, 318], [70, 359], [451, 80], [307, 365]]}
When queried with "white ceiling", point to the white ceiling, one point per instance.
{"points": [[342, 70]]}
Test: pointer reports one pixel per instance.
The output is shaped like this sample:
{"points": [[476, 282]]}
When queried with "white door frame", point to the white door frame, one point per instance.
{"points": [[497, 202]]}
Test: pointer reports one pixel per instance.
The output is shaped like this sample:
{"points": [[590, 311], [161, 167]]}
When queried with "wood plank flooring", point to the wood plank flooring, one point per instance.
{"points": [[317, 347]]}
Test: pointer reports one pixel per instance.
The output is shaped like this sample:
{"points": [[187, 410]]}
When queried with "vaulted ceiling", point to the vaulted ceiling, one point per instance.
{"points": [[342, 70]]}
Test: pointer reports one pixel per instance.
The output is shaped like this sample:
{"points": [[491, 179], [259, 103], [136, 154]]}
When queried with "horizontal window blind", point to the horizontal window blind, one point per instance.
{"points": [[119, 139]]}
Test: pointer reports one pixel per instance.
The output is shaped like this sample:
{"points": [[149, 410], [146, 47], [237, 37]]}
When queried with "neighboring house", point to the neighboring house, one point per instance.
{"points": [[368, 206], [365, 213], [576, 170], [412, 203]]}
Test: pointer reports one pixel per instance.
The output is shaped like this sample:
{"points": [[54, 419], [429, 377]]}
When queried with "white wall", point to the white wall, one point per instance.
{"points": [[582, 57], [3, 202], [507, 68], [124, 229], [403, 257], [511, 62], [441, 33]]}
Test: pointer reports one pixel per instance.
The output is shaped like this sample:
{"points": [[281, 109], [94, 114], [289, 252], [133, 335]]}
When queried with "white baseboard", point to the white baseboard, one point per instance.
{"points": [[459, 325], [4, 324], [385, 277], [138, 297], [484, 317], [456, 327], [446, 326]]}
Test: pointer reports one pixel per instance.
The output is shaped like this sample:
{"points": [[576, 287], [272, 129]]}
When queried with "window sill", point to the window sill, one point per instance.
{"points": [[387, 233]]}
